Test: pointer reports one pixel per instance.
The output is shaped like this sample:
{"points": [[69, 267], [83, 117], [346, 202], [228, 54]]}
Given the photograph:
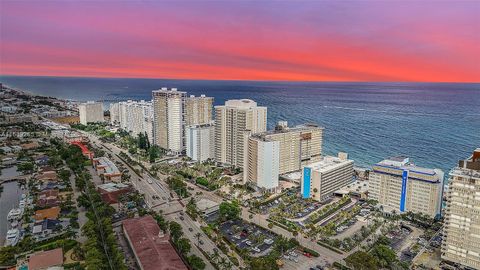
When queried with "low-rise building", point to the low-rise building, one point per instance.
{"points": [[44, 260], [321, 179], [400, 186], [30, 146], [207, 207], [111, 192], [47, 176], [49, 213], [152, 248], [358, 189], [48, 198], [46, 227], [107, 168]]}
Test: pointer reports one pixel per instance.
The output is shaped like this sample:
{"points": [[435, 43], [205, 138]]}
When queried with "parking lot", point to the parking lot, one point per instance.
{"points": [[248, 236]]}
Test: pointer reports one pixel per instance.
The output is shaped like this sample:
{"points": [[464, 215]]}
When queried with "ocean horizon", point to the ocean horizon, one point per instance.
{"points": [[435, 124]]}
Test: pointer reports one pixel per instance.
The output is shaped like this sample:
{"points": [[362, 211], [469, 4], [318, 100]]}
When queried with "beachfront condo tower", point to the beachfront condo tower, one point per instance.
{"points": [[169, 119], [297, 146], [461, 231], [234, 122]]}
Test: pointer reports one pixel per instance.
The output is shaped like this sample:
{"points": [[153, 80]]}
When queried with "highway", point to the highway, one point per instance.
{"points": [[170, 207]]}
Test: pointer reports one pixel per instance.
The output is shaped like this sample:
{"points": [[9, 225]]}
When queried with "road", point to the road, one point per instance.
{"points": [[326, 255], [169, 205]]}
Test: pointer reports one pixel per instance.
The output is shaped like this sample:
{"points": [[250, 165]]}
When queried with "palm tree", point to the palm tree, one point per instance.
{"points": [[215, 255], [198, 235]]}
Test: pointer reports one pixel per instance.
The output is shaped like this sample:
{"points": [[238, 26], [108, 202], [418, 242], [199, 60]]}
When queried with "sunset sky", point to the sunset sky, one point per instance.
{"points": [[433, 41]]}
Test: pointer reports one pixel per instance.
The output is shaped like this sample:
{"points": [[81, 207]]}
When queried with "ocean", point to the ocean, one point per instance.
{"points": [[435, 124]]}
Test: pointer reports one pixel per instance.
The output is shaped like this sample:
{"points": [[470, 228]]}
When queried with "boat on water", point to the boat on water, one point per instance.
{"points": [[13, 236], [22, 203], [15, 214]]}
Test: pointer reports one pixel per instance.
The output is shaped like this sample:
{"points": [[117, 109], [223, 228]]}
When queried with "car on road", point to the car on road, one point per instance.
{"points": [[201, 242], [182, 218], [190, 229]]}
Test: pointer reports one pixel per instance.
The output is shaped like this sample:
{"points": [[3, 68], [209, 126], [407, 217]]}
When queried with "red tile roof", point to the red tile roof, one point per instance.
{"points": [[153, 251], [45, 259], [50, 213]]}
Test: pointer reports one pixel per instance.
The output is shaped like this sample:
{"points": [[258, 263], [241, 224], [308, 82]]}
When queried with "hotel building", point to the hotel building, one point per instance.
{"points": [[90, 112], [400, 186], [321, 179], [200, 142], [234, 122], [263, 163], [461, 231], [169, 119]]}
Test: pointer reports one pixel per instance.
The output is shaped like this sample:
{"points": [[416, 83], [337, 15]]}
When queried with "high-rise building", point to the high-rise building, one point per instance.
{"points": [[401, 186], [114, 113], [200, 142], [169, 119], [299, 146], [134, 116], [263, 159], [234, 122], [461, 231], [198, 110], [321, 179], [90, 112]]}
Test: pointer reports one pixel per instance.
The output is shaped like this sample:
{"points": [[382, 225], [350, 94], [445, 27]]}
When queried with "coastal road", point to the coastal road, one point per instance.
{"points": [[170, 207]]}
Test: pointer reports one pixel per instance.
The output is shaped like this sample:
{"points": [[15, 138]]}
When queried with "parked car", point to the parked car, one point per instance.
{"points": [[268, 241]]}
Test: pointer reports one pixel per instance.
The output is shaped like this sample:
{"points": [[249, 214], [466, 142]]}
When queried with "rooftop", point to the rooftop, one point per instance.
{"points": [[403, 163], [50, 213], [329, 163], [204, 204], [240, 103], [112, 187], [45, 259], [279, 129], [166, 90], [107, 164], [151, 247]]}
